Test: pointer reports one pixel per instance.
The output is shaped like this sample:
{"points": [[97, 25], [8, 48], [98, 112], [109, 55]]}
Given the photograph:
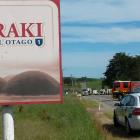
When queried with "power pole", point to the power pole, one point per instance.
{"points": [[72, 83]]}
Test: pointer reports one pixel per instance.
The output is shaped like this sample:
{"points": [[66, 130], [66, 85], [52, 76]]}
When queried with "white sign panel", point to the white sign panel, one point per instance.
{"points": [[30, 57]]}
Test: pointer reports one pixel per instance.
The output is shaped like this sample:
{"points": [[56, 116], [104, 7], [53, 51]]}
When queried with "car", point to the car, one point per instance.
{"points": [[85, 92], [89, 91], [95, 92], [127, 112]]}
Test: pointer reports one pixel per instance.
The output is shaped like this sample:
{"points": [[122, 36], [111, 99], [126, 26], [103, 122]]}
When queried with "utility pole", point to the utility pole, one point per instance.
{"points": [[85, 82], [72, 84]]}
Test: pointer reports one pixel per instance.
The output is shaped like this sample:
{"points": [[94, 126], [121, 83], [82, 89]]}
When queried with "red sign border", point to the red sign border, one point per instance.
{"points": [[57, 2]]}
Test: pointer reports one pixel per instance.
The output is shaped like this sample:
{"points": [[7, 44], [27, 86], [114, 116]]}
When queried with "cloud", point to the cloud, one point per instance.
{"points": [[125, 24], [100, 21], [97, 22], [100, 10], [94, 35]]}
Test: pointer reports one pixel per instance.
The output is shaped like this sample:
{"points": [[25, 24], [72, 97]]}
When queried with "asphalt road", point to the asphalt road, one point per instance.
{"points": [[105, 100]]}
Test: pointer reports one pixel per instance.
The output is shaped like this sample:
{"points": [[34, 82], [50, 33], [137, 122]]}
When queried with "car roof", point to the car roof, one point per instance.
{"points": [[135, 94], [121, 81]]}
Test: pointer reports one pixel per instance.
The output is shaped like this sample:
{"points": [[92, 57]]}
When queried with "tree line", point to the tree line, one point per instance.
{"points": [[69, 80], [122, 67]]}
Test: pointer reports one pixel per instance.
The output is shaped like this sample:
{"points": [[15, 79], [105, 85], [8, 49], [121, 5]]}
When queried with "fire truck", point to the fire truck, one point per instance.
{"points": [[121, 88]]}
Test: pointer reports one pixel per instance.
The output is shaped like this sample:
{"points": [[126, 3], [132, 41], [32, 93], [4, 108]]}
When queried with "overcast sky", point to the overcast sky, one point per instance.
{"points": [[94, 30]]}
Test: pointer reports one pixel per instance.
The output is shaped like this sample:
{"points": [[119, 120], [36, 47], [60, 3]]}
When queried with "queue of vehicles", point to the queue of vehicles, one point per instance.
{"points": [[127, 111], [90, 91]]}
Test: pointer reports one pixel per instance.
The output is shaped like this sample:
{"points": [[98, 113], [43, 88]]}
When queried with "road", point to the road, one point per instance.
{"points": [[105, 100]]}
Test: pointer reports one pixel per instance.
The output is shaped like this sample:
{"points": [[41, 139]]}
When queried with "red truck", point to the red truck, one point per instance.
{"points": [[121, 88]]}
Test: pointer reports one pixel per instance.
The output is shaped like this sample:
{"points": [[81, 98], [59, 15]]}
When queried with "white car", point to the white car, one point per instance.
{"points": [[95, 92], [127, 112], [85, 92]]}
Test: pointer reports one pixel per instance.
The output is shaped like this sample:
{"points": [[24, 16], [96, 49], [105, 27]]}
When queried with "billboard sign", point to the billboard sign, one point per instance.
{"points": [[30, 53]]}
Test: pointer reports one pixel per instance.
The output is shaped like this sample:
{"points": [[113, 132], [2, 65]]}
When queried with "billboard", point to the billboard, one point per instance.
{"points": [[30, 53]]}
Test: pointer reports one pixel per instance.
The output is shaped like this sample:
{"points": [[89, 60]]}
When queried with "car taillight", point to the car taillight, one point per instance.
{"points": [[136, 111]]}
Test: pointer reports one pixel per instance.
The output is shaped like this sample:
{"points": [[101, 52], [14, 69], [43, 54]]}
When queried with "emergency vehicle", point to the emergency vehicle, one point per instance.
{"points": [[121, 88]]}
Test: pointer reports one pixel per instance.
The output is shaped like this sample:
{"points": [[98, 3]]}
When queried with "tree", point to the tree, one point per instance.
{"points": [[122, 67], [67, 80], [134, 68]]}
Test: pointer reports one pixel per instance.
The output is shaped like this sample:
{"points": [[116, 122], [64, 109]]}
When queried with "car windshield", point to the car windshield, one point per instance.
{"points": [[116, 85], [136, 89], [125, 84], [84, 90]]}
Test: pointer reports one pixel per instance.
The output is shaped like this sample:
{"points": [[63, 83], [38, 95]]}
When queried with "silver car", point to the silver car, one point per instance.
{"points": [[85, 92], [127, 112]]}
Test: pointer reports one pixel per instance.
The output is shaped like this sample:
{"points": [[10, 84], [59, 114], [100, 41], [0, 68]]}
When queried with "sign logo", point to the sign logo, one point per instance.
{"points": [[39, 41], [23, 34]]}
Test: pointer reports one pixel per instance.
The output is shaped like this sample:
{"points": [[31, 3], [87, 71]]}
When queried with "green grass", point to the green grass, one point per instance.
{"points": [[109, 114], [95, 84], [89, 104], [68, 121], [92, 83]]}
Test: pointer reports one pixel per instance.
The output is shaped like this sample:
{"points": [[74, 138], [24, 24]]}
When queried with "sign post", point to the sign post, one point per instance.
{"points": [[7, 123]]}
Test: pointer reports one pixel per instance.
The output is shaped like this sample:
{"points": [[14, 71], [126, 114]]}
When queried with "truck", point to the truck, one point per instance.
{"points": [[121, 88]]}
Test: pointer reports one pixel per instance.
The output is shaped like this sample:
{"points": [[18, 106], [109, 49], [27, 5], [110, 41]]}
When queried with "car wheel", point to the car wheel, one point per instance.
{"points": [[115, 120], [127, 127]]}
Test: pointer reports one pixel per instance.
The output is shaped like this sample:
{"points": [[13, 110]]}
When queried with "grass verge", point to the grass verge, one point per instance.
{"points": [[89, 104], [68, 121], [109, 115], [103, 122]]}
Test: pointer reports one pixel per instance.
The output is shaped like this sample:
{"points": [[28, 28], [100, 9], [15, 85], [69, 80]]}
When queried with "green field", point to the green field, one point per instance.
{"points": [[95, 84], [68, 121], [90, 83]]}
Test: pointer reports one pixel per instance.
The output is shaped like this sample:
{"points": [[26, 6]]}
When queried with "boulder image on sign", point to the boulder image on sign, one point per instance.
{"points": [[30, 56]]}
